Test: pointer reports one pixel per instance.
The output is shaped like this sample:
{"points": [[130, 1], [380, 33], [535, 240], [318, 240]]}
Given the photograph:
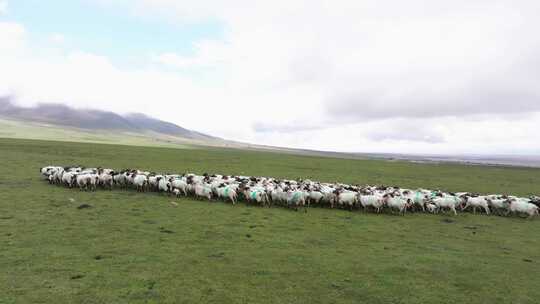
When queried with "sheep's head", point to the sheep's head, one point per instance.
{"points": [[409, 203]]}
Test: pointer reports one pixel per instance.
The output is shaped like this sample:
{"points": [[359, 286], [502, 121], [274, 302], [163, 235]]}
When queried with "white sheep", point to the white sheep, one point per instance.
{"points": [[140, 181], [69, 178], [447, 202], [399, 203], [181, 185], [315, 197], [256, 195], [296, 199], [347, 199], [476, 202], [203, 191], [373, 200], [227, 193], [432, 208], [523, 206], [164, 184], [498, 204], [106, 180], [87, 181]]}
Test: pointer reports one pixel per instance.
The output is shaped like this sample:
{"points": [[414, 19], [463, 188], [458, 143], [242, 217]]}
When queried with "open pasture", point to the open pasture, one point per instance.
{"points": [[129, 247]]}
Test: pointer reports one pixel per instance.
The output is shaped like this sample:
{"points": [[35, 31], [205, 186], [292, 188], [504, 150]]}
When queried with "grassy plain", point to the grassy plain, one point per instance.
{"points": [[139, 248]]}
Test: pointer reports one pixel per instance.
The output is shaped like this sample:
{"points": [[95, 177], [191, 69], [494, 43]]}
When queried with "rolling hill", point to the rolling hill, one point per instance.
{"points": [[97, 120]]}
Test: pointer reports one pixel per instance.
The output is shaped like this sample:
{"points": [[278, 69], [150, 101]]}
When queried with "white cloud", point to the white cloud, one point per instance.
{"points": [[12, 37], [208, 54], [377, 58], [57, 38], [391, 76]]}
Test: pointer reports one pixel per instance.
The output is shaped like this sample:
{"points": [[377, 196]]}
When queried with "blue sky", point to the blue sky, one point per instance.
{"points": [[112, 30]]}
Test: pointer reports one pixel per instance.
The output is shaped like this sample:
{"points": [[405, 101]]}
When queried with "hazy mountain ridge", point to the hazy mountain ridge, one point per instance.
{"points": [[91, 119]]}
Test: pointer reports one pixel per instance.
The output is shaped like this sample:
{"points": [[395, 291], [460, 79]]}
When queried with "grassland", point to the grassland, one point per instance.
{"points": [[140, 248]]}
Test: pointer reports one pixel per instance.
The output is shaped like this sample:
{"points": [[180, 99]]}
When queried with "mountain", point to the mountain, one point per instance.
{"points": [[62, 115], [152, 124]]}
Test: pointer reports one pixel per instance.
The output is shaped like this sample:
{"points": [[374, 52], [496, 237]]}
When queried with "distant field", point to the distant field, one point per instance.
{"points": [[140, 248]]}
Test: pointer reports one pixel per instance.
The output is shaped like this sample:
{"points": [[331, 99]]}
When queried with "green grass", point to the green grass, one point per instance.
{"points": [[140, 248]]}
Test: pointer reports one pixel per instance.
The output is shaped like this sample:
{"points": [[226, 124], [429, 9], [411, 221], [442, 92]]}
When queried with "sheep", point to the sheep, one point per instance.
{"points": [[87, 181], [397, 202], [329, 199], [227, 193], [521, 206], [432, 208], [179, 184], [89, 171], [49, 173], [120, 179], [475, 202], [295, 199], [374, 200], [256, 195], [315, 197], [106, 180], [346, 199], [46, 171], [57, 176], [447, 202], [203, 191], [164, 184], [277, 195], [535, 200], [69, 179], [498, 204], [140, 181], [153, 182], [82, 181], [289, 193], [418, 198]]}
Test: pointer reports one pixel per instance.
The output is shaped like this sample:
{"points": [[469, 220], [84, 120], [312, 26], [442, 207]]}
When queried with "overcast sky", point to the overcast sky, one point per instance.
{"points": [[413, 76]]}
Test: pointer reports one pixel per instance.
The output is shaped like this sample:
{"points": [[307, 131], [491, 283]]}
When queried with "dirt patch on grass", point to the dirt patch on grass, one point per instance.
{"points": [[163, 230], [218, 255], [77, 277]]}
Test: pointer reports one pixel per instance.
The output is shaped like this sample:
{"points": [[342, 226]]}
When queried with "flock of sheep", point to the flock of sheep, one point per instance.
{"points": [[265, 191]]}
